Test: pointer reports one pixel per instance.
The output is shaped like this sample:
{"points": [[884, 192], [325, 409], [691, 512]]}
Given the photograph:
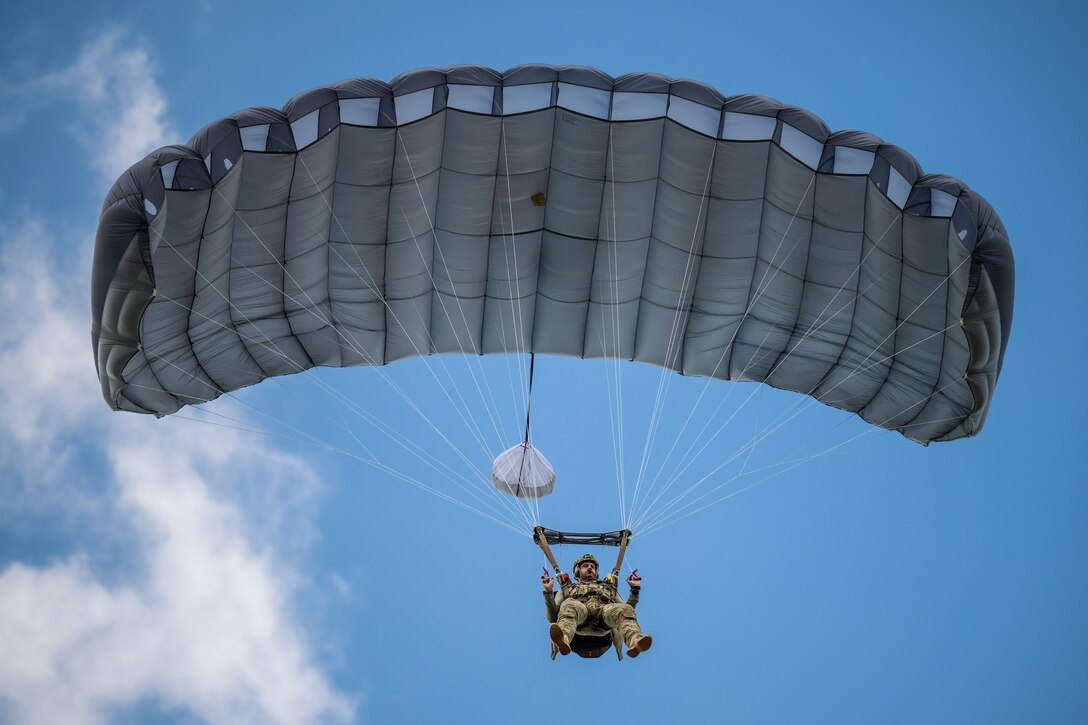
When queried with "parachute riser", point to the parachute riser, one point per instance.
{"points": [[615, 578], [542, 542], [544, 537]]}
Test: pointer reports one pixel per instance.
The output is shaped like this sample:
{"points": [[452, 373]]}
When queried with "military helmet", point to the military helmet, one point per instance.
{"points": [[583, 559]]}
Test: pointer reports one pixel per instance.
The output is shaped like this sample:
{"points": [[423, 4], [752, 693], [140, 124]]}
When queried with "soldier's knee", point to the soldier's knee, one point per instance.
{"points": [[618, 614], [572, 609]]}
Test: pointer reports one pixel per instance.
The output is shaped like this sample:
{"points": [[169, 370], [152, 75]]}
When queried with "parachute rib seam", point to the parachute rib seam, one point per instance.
{"points": [[748, 302], [977, 259], [540, 247], [429, 267], [977, 404], [387, 308], [230, 306], [687, 290], [147, 361], [140, 350], [898, 324], [649, 243], [283, 264], [598, 241], [857, 298], [328, 243], [783, 353], [150, 366], [436, 253], [944, 347], [230, 266], [491, 236], [976, 253], [189, 317]]}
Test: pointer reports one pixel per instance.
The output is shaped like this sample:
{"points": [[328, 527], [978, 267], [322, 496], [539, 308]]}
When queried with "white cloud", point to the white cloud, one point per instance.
{"points": [[119, 115], [118, 109], [208, 624], [205, 619], [207, 627], [47, 380]]}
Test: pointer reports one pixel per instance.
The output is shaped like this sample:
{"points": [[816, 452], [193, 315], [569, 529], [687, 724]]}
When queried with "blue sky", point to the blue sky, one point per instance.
{"points": [[178, 571]]}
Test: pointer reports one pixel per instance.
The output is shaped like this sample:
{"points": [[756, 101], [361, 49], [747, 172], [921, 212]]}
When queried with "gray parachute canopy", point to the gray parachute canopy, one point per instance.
{"points": [[552, 210]]}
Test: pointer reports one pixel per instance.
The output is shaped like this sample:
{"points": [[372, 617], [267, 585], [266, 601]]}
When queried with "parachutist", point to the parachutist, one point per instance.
{"points": [[588, 615]]}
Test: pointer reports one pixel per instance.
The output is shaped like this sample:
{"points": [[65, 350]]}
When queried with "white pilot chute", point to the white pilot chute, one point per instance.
{"points": [[524, 472]]}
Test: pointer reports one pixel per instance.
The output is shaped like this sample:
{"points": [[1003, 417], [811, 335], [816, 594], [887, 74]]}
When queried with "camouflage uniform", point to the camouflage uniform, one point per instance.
{"points": [[594, 608]]}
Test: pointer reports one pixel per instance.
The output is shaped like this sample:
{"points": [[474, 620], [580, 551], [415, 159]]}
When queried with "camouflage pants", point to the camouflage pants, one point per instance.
{"points": [[574, 614]]}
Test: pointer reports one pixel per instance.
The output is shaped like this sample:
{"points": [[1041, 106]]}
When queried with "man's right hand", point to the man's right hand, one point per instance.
{"points": [[547, 582]]}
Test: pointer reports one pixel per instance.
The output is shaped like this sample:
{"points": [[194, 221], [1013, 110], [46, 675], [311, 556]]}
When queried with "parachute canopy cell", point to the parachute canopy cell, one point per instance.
{"points": [[524, 472], [552, 210]]}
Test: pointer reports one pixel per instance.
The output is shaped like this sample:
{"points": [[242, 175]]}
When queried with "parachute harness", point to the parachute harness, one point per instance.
{"points": [[544, 537]]}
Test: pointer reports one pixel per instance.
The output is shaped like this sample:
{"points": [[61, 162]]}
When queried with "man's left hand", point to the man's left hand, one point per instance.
{"points": [[634, 581]]}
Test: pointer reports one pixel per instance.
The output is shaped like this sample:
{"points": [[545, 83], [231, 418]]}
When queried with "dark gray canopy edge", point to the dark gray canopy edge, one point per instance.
{"points": [[124, 276]]}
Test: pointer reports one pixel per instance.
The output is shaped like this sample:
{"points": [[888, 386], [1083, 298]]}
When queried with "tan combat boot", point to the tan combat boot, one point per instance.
{"points": [[559, 639], [639, 644]]}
